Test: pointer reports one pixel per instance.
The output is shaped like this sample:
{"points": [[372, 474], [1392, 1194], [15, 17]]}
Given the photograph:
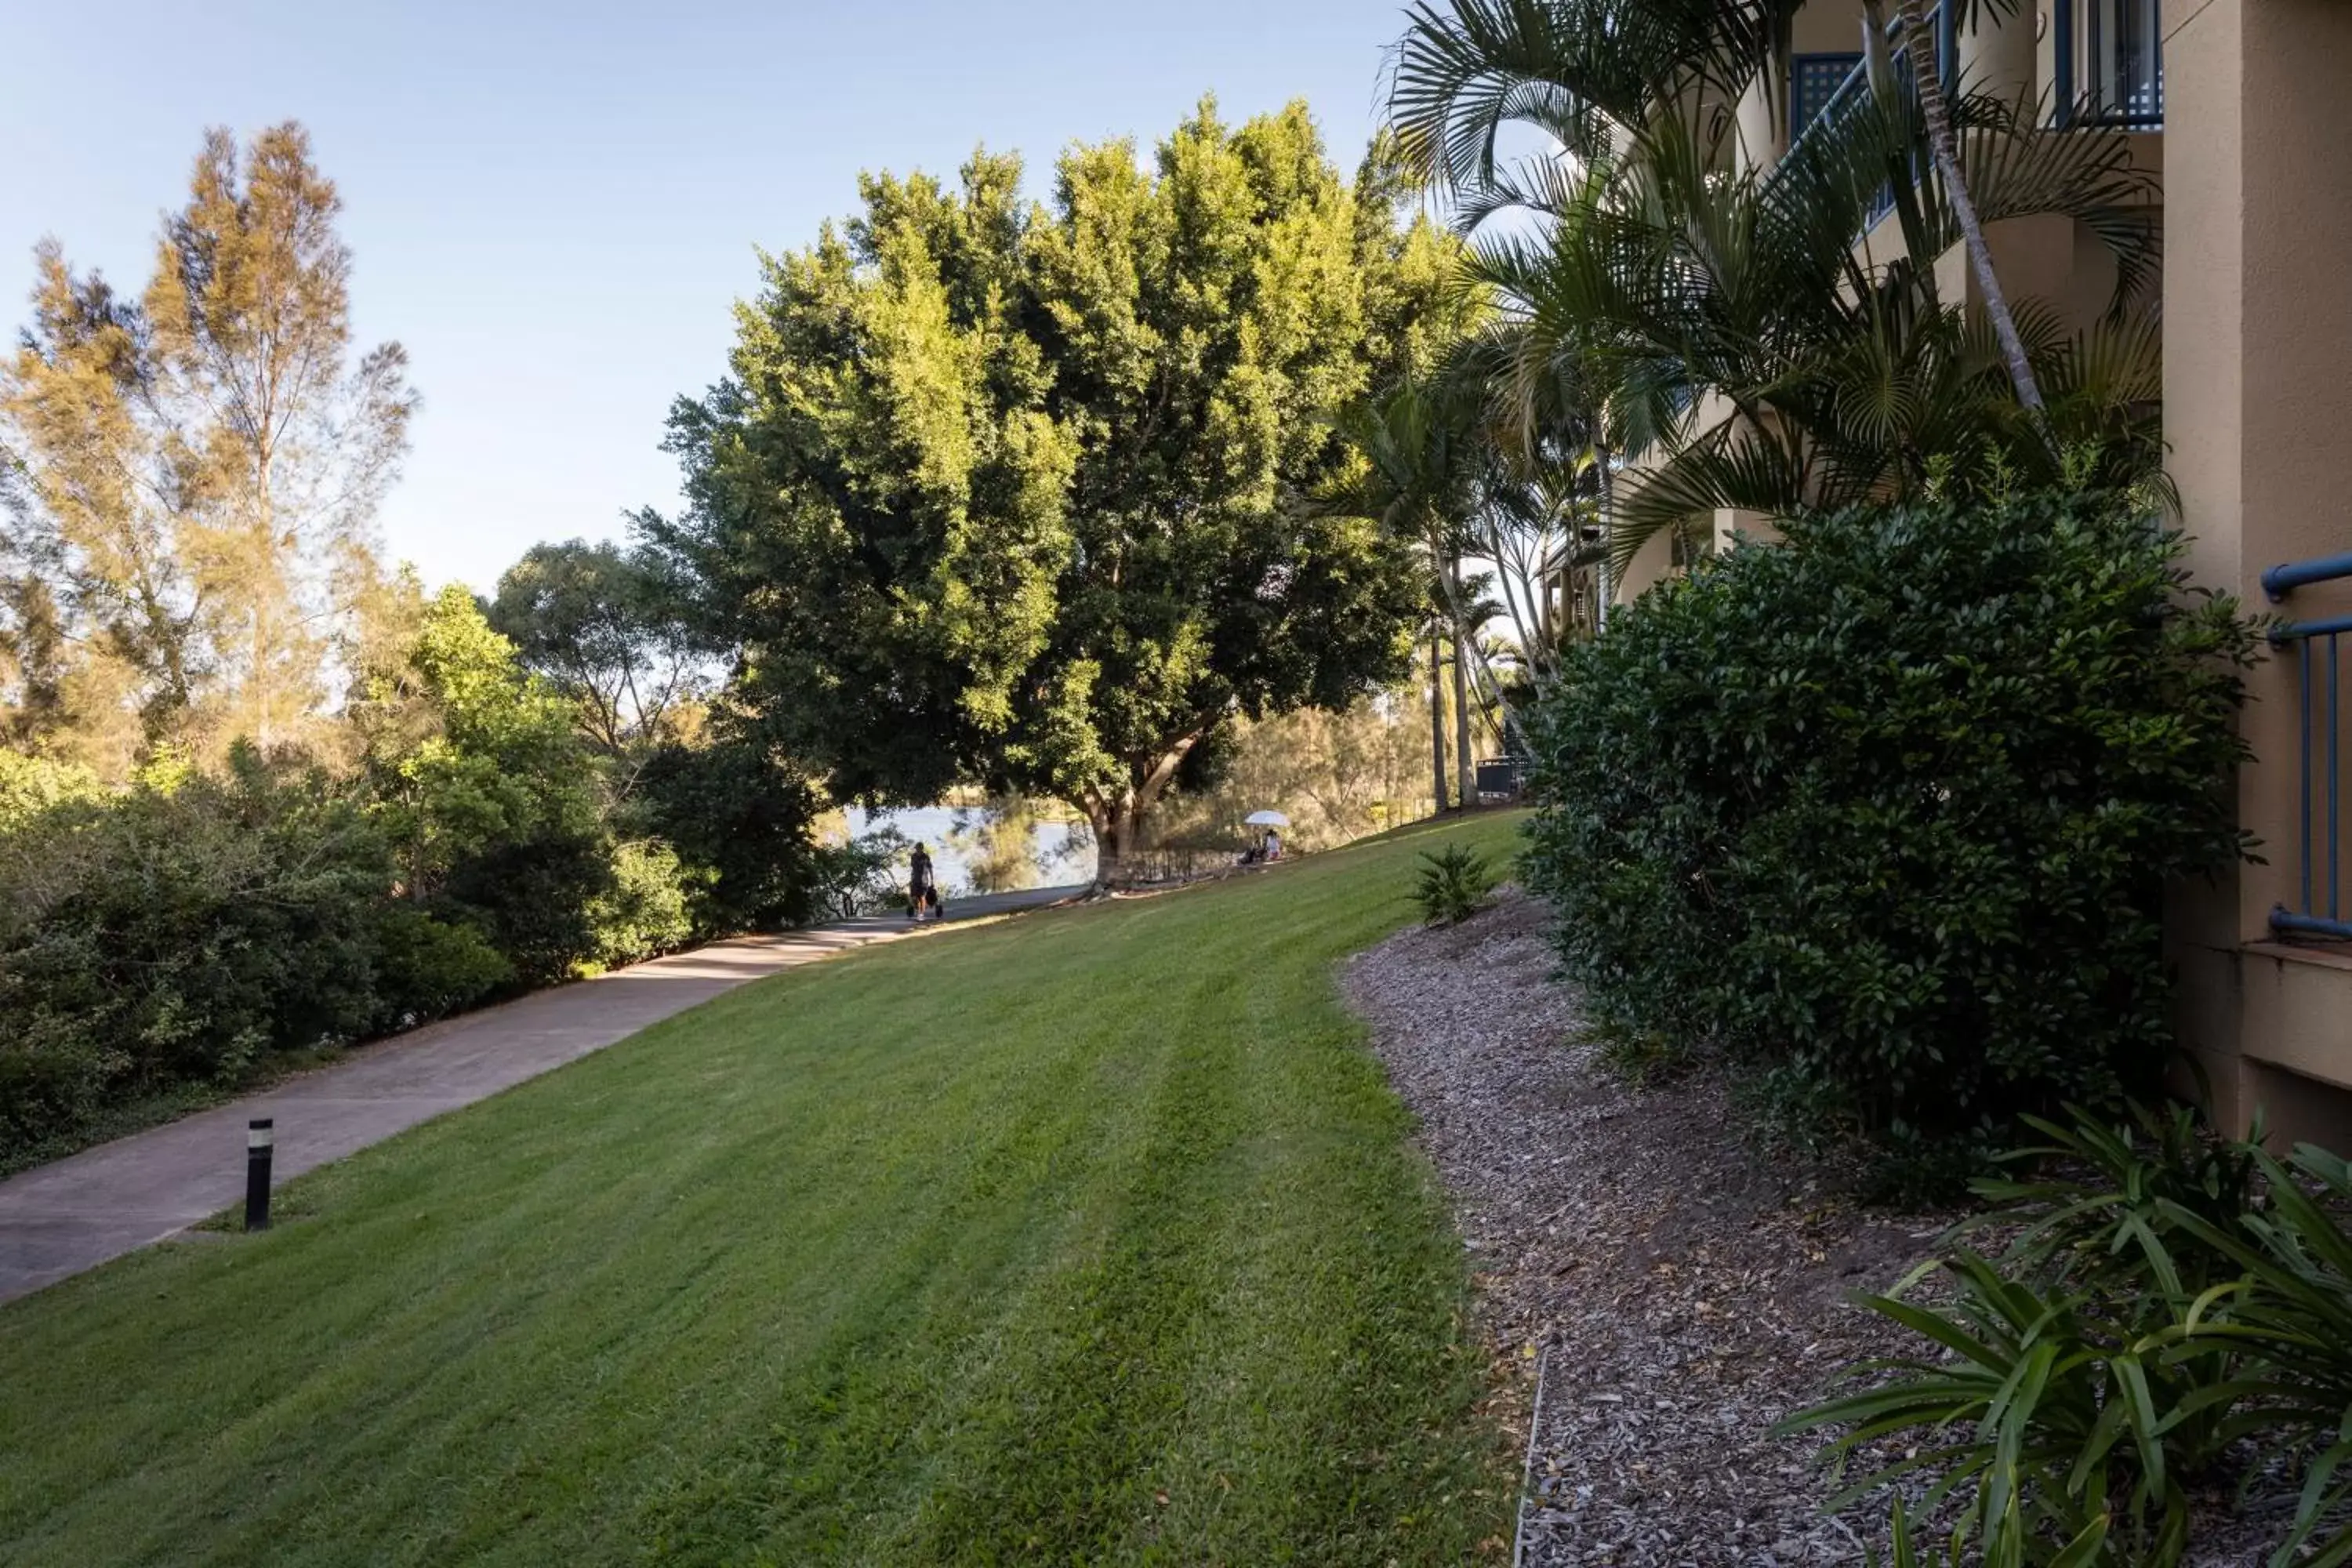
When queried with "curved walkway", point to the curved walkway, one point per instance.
{"points": [[59, 1219]]}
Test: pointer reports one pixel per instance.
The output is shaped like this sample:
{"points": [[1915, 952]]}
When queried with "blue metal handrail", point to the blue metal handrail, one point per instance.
{"points": [[2279, 582], [1856, 87], [2091, 108]]}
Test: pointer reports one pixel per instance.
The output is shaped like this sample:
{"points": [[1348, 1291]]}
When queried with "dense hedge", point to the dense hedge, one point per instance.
{"points": [[1887, 812], [180, 932]]}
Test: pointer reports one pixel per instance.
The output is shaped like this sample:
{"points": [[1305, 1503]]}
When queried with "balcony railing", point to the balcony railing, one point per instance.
{"points": [[2316, 645], [1854, 91], [2110, 64], [2109, 59]]}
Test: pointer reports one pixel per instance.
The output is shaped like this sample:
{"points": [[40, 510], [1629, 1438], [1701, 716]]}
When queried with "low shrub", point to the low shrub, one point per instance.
{"points": [[644, 914], [182, 931], [428, 968], [1454, 884], [2174, 1311], [1885, 812], [31, 785], [737, 807], [162, 941]]}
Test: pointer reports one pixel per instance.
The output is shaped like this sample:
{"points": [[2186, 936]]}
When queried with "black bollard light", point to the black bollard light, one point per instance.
{"points": [[260, 1135]]}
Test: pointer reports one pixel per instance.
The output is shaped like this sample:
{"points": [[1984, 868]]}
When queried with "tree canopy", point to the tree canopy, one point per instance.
{"points": [[189, 477], [1014, 494], [606, 627]]}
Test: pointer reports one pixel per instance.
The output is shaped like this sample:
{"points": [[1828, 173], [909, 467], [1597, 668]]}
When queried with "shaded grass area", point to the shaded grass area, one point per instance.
{"points": [[1090, 1237]]}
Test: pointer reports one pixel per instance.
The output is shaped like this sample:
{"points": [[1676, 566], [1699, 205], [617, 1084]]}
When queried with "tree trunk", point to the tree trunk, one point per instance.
{"points": [[1436, 721], [1465, 777], [1920, 42], [1114, 838], [1118, 821], [1482, 670], [1605, 570]]}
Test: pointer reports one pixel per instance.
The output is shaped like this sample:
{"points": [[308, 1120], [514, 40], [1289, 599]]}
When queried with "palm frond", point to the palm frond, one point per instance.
{"points": [[1731, 467]]}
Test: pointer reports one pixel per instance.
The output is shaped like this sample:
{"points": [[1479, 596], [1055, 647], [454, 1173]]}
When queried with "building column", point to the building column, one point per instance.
{"points": [[1761, 116], [2258, 375], [1996, 55]]}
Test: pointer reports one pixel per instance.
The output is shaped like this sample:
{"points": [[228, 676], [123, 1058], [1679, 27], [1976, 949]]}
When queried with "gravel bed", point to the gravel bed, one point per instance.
{"points": [[1678, 1290], [1679, 1293]]}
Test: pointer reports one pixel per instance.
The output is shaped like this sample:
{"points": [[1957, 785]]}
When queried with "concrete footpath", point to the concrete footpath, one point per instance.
{"points": [[59, 1219]]}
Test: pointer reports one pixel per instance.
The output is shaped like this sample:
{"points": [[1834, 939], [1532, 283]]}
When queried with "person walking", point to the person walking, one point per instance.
{"points": [[922, 886]]}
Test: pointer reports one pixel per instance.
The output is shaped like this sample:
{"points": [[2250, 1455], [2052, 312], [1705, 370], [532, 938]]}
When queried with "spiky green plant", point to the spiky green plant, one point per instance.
{"points": [[2177, 1307], [1455, 883]]}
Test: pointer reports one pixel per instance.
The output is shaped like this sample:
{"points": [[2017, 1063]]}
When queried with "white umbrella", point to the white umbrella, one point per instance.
{"points": [[1266, 819]]}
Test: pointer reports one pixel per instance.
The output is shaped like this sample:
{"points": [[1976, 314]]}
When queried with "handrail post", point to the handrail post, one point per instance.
{"points": [[2061, 18]]}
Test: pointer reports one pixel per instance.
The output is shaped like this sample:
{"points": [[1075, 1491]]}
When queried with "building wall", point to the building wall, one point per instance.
{"points": [[2258, 363]]}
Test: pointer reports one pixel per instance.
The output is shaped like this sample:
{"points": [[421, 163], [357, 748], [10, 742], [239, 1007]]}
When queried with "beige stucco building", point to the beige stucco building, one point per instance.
{"points": [[2258, 368], [2242, 109]]}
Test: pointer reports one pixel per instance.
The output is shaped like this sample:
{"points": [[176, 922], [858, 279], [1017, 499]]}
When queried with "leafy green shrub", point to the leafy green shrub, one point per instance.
{"points": [[2099, 1203], [177, 935], [1886, 811], [643, 913], [31, 785], [533, 897], [182, 931], [1455, 883], [480, 782], [428, 968], [2290, 1324], [736, 807], [2069, 1430]]}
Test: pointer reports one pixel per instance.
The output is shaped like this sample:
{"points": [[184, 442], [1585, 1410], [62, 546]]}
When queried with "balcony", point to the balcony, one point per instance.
{"points": [[2106, 69]]}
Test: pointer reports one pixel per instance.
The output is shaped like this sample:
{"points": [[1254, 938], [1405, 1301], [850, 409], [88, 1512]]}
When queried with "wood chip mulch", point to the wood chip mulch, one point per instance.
{"points": [[1679, 1289]]}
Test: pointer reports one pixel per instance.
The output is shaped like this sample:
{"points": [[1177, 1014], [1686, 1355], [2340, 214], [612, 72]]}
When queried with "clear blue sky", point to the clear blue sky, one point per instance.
{"points": [[554, 207]]}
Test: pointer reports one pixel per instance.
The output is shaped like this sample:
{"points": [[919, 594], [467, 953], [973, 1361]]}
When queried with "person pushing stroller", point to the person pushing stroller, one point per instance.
{"points": [[922, 886]]}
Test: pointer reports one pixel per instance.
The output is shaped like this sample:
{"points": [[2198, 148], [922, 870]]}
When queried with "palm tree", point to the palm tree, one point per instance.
{"points": [[1732, 338], [1928, 76], [1416, 479]]}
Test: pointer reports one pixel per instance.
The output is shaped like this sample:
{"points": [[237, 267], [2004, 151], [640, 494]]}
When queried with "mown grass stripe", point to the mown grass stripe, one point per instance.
{"points": [[1092, 1238]]}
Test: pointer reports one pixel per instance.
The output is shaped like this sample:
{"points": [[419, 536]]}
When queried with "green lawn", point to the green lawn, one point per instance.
{"points": [[1092, 1236]]}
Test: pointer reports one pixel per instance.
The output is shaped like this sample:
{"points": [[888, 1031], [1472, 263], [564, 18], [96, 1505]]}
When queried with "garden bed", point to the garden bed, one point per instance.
{"points": [[1675, 1287], [1678, 1290]]}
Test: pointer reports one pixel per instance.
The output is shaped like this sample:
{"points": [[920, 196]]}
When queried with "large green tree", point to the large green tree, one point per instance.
{"points": [[1012, 493]]}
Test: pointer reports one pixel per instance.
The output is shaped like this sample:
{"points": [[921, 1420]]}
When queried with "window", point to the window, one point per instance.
{"points": [[1813, 81], [2110, 63], [2126, 70]]}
